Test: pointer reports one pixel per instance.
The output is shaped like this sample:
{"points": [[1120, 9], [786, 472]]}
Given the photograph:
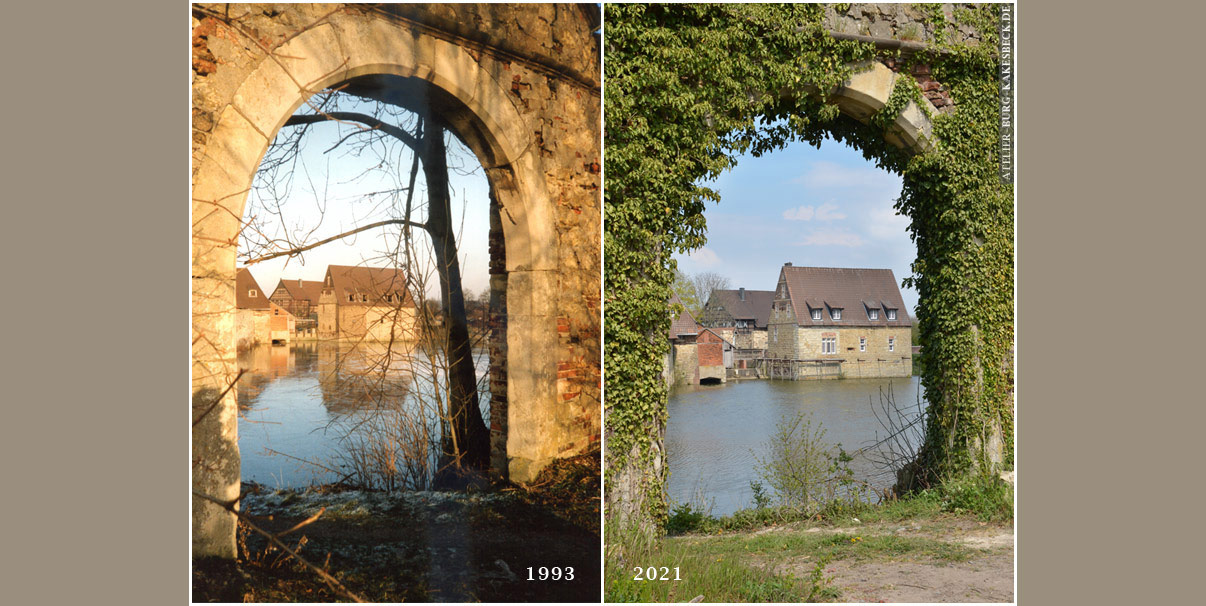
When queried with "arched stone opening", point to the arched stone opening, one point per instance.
{"points": [[475, 97]]}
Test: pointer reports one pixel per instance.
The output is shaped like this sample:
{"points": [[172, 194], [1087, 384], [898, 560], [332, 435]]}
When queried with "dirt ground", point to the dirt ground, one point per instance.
{"points": [[986, 576], [417, 546]]}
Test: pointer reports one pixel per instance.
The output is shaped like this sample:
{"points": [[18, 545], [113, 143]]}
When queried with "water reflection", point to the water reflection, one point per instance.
{"points": [[715, 433], [322, 412]]}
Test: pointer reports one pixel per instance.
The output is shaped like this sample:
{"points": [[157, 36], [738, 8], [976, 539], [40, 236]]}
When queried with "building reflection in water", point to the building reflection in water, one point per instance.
{"points": [[365, 413]]}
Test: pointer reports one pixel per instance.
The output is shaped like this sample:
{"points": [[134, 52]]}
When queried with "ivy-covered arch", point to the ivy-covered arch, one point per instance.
{"points": [[691, 87]]}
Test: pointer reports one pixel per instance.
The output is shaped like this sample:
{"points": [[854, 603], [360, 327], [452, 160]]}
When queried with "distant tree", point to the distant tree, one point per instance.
{"points": [[694, 289], [685, 289], [706, 282]]}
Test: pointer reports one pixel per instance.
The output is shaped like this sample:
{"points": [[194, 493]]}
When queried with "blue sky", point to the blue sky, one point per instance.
{"points": [[826, 207], [329, 197]]}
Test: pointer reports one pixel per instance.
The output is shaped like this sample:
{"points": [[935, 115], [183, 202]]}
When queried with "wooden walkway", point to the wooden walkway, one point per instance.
{"points": [[791, 370]]}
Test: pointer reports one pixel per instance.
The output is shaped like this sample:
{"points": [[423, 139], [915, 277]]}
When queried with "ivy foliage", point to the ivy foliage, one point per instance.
{"points": [[689, 88]]}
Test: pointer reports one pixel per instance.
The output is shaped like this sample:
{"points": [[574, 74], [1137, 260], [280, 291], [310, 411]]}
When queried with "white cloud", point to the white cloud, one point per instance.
{"points": [[704, 257], [832, 238], [824, 212], [802, 213], [885, 224]]}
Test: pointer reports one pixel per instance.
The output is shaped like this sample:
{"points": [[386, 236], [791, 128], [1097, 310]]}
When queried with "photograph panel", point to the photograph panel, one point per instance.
{"points": [[809, 322], [395, 302]]}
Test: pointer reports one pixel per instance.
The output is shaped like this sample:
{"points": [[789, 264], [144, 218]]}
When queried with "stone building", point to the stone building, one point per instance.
{"points": [[829, 322], [370, 303], [740, 316], [257, 319]]}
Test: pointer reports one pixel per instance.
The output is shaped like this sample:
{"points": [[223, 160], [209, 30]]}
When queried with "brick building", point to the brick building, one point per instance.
{"points": [[828, 322]]}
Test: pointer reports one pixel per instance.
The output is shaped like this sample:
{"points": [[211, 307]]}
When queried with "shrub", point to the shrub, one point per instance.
{"points": [[685, 517], [986, 495], [807, 474]]}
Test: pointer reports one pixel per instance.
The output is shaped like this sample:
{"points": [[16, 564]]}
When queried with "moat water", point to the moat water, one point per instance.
{"points": [[715, 434], [315, 412]]}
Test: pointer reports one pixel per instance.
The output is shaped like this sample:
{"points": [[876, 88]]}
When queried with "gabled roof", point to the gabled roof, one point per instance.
{"points": [[719, 336], [374, 282], [756, 306], [244, 283], [684, 323], [298, 289], [846, 289]]}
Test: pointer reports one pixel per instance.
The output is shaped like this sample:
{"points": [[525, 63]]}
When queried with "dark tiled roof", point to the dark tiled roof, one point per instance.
{"points": [[684, 323], [244, 283], [756, 306], [846, 289], [375, 282]]}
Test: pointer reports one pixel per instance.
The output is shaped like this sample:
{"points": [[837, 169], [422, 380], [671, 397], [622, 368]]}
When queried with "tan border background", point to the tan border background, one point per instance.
{"points": [[96, 304]]}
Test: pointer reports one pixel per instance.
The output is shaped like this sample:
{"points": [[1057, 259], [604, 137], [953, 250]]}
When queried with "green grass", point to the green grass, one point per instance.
{"points": [[717, 576], [718, 560]]}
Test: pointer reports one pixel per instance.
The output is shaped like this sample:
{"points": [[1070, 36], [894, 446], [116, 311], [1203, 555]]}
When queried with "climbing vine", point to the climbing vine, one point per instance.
{"points": [[689, 88]]}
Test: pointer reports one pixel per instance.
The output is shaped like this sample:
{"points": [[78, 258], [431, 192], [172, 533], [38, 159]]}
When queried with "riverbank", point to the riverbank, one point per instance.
{"points": [[418, 546], [938, 546]]}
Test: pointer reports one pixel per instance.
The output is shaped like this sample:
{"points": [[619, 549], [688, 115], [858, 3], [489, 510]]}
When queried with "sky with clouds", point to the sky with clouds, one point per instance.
{"points": [[329, 196], [826, 207]]}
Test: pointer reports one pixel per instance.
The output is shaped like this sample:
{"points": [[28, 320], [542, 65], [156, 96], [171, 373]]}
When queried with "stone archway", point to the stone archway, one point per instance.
{"points": [[532, 120]]}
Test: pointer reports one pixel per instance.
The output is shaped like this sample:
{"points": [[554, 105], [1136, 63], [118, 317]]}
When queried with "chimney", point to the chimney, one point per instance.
{"points": [[741, 293], [299, 282], [788, 264]]}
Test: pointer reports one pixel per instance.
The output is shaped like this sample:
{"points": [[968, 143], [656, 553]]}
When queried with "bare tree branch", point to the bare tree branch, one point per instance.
{"points": [[332, 581], [295, 251]]}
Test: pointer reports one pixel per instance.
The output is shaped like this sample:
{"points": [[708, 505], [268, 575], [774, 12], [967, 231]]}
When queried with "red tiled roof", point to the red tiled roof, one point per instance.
{"points": [[851, 290], [244, 284]]}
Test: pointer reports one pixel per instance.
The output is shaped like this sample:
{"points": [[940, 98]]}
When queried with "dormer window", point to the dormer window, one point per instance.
{"points": [[816, 315], [364, 298], [835, 313], [351, 298], [891, 314], [873, 314]]}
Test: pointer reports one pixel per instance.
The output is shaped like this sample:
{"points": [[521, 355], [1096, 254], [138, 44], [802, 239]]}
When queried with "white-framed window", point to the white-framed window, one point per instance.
{"points": [[891, 314], [891, 343], [873, 314], [252, 293], [862, 343], [836, 313], [816, 314], [775, 333], [828, 345]]}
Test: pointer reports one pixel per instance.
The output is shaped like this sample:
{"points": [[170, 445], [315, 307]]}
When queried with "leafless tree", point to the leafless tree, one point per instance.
{"points": [[389, 136]]}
